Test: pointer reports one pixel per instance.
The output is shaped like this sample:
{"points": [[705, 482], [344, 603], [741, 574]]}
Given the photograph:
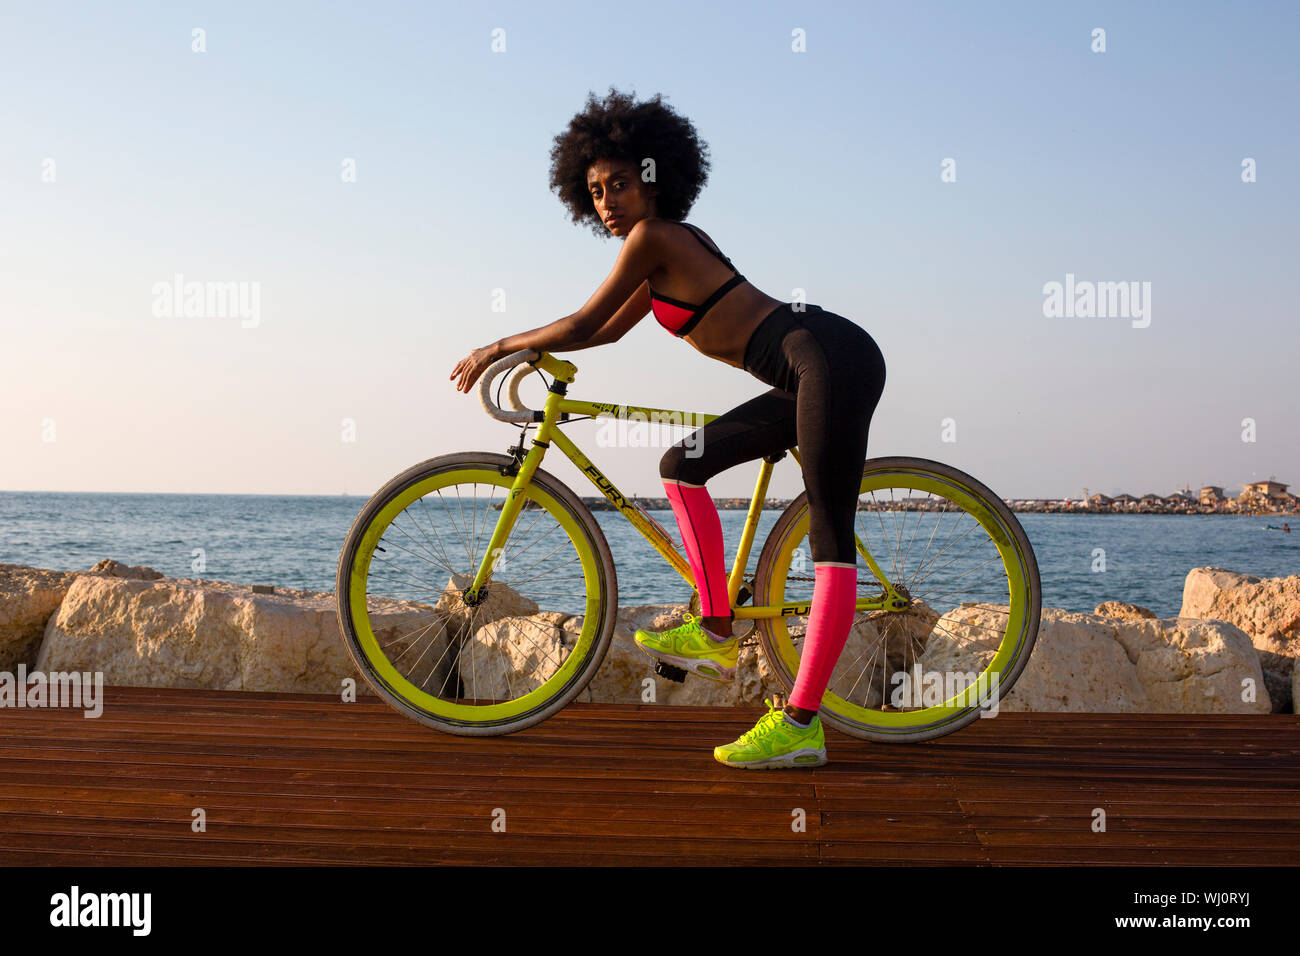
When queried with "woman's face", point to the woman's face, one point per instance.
{"points": [[619, 196]]}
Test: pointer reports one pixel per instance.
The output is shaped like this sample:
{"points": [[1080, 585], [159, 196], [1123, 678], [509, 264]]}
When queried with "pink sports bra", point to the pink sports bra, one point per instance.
{"points": [[680, 317]]}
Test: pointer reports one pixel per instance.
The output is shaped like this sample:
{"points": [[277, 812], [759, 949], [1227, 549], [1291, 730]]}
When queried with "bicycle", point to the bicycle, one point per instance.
{"points": [[484, 638]]}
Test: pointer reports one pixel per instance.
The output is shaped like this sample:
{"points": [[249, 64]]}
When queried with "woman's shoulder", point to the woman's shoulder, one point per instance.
{"points": [[665, 234], [678, 230]]}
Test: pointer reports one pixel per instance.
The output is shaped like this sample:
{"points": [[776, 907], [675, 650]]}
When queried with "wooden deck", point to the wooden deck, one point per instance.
{"points": [[297, 779]]}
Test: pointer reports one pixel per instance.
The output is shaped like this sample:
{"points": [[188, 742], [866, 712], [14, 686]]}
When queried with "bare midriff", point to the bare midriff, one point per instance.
{"points": [[725, 329]]}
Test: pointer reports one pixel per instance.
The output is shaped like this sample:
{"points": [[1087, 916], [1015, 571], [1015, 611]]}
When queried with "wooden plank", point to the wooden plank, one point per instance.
{"points": [[308, 779]]}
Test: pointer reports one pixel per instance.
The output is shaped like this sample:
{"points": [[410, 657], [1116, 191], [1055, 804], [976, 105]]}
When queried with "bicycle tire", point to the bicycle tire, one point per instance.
{"points": [[542, 487], [777, 647]]}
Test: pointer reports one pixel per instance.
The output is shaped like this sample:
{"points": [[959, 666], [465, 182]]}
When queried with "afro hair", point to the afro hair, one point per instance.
{"points": [[619, 127]]}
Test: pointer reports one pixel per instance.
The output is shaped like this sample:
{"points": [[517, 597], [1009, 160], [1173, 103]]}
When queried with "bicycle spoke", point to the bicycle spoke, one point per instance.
{"points": [[491, 652], [442, 549], [941, 555]]}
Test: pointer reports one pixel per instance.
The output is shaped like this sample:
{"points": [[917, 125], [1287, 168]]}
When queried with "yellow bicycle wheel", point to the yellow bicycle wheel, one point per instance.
{"points": [[967, 573], [533, 637]]}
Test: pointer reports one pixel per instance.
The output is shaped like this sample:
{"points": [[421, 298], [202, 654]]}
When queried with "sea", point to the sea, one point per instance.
{"points": [[294, 542]]}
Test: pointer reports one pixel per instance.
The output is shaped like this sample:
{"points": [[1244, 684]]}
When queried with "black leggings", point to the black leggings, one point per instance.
{"points": [[827, 375]]}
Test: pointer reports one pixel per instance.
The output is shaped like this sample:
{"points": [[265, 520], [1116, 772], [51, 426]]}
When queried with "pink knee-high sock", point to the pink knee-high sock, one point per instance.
{"points": [[697, 518], [835, 591]]}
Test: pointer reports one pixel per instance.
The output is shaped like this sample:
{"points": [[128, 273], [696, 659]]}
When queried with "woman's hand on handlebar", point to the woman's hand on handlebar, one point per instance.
{"points": [[471, 366]]}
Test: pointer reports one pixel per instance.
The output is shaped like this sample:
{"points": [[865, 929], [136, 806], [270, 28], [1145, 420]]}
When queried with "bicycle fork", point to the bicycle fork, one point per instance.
{"points": [[523, 475]]}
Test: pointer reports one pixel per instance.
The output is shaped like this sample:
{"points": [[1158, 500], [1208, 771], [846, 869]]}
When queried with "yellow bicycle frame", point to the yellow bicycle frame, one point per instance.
{"points": [[548, 432]]}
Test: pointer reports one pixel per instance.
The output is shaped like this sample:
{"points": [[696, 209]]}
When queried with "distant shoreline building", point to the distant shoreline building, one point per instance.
{"points": [[1212, 496], [1266, 494]]}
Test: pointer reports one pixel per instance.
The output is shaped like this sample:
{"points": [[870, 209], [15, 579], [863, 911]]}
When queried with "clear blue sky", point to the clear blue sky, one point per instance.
{"points": [[225, 166]]}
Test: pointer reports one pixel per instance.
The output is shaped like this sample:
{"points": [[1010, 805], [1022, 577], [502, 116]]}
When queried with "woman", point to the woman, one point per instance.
{"points": [[633, 170]]}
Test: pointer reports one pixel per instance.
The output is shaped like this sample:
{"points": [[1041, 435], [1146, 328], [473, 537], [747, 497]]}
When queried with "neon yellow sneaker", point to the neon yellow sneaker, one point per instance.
{"points": [[775, 743], [690, 648]]}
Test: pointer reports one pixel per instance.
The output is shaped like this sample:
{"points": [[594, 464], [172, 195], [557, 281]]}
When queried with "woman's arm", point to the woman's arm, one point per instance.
{"points": [[633, 311], [638, 258]]}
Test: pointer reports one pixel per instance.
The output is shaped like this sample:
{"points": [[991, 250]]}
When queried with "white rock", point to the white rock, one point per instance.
{"points": [[1123, 610], [28, 598], [136, 628], [1089, 663], [116, 569], [1267, 609], [211, 634]]}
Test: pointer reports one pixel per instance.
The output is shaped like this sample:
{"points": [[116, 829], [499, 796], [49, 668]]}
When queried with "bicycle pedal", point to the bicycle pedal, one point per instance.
{"points": [[670, 672]]}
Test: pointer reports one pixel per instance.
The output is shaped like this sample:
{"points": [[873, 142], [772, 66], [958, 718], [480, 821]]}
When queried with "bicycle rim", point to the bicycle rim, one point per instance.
{"points": [[516, 656], [963, 561]]}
